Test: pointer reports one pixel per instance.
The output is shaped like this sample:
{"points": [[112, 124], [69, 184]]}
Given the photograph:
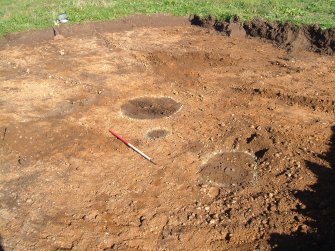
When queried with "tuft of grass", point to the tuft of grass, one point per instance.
{"points": [[36, 14]]}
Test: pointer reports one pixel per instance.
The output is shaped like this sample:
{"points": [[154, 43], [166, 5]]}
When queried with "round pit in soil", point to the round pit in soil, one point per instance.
{"points": [[157, 134], [228, 169], [150, 108]]}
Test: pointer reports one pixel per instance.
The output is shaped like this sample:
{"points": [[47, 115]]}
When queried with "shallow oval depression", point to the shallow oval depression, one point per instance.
{"points": [[150, 107], [228, 169], [157, 134]]}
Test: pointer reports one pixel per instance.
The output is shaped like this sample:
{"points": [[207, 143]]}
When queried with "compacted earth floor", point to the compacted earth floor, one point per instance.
{"points": [[242, 133]]}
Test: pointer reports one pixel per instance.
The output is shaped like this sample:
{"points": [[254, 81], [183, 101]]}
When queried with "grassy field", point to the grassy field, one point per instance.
{"points": [[35, 14]]}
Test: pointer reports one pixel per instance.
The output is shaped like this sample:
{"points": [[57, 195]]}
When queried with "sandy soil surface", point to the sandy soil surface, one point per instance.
{"points": [[242, 133]]}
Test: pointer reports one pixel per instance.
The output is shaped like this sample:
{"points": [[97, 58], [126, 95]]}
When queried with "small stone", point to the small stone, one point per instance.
{"points": [[303, 228], [273, 208], [269, 129], [61, 52], [301, 206], [191, 216], [229, 236], [213, 192], [297, 218], [212, 221]]}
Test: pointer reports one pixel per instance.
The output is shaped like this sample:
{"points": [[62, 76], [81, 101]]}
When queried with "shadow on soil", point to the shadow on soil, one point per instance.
{"points": [[1, 247], [320, 208]]}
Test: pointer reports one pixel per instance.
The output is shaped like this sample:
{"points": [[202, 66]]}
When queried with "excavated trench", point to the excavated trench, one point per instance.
{"points": [[266, 112]]}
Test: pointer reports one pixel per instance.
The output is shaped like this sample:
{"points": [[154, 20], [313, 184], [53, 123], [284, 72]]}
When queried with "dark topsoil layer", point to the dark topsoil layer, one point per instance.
{"points": [[287, 35], [92, 29]]}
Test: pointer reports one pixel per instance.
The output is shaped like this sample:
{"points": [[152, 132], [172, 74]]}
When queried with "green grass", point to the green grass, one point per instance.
{"points": [[24, 15]]}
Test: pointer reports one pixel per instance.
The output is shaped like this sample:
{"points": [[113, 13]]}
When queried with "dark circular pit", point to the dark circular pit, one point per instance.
{"points": [[150, 108], [228, 169], [157, 134]]}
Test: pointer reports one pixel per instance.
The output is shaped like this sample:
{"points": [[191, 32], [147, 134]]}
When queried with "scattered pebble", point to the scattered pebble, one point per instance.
{"points": [[213, 192], [61, 52]]}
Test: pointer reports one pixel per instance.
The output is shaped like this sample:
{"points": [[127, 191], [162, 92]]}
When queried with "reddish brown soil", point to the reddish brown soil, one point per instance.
{"points": [[247, 163]]}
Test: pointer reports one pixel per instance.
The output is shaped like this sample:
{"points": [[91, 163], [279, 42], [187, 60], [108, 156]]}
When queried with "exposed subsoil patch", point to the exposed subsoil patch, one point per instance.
{"points": [[186, 66], [286, 35], [228, 169], [157, 134], [150, 108]]}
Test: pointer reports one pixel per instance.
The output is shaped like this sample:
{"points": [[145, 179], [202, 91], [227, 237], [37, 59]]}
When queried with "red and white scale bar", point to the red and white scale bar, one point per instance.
{"points": [[131, 146]]}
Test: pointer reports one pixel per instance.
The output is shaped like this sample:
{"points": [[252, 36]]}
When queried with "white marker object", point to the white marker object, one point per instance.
{"points": [[131, 146]]}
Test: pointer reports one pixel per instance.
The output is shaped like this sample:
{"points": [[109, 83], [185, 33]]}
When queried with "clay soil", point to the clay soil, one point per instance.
{"points": [[245, 161]]}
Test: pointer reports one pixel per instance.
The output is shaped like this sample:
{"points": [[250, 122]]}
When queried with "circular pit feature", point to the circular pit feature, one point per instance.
{"points": [[228, 169], [157, 134], [150, 107]]}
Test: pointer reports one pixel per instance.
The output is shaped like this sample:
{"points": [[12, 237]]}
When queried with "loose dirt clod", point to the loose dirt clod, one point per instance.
{"points": [[228, 169], [150, 108]]}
